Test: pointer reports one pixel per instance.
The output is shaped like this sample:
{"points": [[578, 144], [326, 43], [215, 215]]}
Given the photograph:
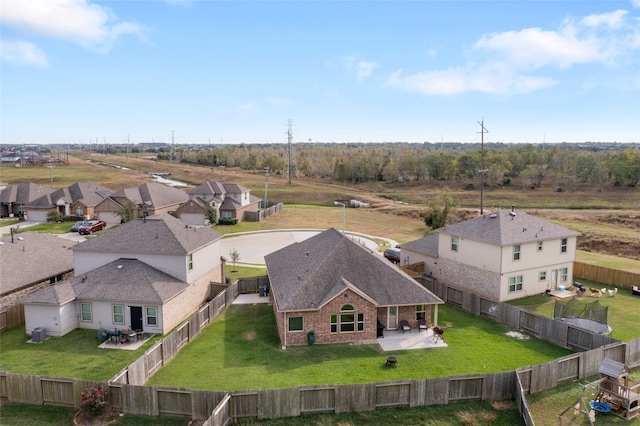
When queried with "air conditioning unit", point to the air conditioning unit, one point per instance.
{"points": [[39, 335]]}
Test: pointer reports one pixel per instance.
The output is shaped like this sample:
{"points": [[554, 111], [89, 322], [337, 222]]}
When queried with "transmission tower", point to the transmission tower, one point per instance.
{"points": [[482, 169], [290, 164]]}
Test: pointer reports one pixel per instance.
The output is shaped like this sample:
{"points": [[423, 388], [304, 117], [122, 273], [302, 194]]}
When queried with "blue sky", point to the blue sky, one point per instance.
{"points": [[341, 71]]}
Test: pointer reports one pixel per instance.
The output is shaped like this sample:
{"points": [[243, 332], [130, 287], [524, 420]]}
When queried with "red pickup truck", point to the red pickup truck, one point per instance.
{"points": [[92, 226]]}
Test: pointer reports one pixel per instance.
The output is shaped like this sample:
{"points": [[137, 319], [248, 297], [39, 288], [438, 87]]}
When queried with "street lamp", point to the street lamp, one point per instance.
{"points": [[344, 213], [51, 175], [266, 185]]}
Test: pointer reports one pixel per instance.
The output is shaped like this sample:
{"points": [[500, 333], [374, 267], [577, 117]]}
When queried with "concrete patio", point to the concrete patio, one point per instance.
{"points": [[396, 340]]}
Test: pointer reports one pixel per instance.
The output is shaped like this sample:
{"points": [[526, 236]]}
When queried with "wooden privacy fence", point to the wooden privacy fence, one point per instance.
{"points": [[557, 332], [263, 214], [614, 277], [11, 315], [221, 408]]}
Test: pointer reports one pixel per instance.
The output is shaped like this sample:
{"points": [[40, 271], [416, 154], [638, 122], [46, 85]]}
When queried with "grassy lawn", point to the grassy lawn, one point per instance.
{"points": [[74, 355], [48, 415], [608, 261], [545, 406], [49, 227], [241, 350], [460, 414], [624, 309]]}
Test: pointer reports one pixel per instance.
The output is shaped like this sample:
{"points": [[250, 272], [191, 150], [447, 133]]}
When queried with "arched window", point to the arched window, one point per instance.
{"points": [[347, 319]]}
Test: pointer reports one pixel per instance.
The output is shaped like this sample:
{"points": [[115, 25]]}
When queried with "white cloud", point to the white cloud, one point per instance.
{"points": [[635, 3], [362, 69], [89, 25], [22, 52], [505, 63]]}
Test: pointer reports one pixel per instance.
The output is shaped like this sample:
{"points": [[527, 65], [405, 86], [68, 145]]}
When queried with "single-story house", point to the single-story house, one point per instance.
{"points": [[341, 290], [14, 198], [501, 256], [78, 199], [147, 274], [147, 199]]}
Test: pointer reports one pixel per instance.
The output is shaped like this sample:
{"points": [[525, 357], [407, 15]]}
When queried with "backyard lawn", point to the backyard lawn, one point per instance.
{"points": [[74, 355], [241, 350], [624, 309]]}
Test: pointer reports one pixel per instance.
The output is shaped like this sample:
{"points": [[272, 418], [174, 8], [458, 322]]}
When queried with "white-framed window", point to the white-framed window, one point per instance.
{"points": [[334, 323], [227, 215], [454, 243], [515, 283], [296, 324], [360, 322], [85, 312], [539, 245], [421, 312], [516, 252], [347, 319], [564, 274], [563, 245], [118, 314], [152, 315], [190, 261], [79, 211], [542, 275]]}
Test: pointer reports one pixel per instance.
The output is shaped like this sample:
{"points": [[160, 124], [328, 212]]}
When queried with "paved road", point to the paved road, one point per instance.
{"points": [[253, 247]]}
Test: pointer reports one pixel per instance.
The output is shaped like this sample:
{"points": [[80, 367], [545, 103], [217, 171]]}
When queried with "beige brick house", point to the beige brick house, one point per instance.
{"points": [[500, 256], [339, 289], [148, 274]]}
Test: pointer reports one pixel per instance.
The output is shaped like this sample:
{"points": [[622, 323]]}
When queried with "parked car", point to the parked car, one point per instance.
{"points": [[393, 254], [92, 226], [76, 226]]}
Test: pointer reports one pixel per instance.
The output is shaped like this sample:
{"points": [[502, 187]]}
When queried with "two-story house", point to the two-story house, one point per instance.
{"points": [[501, 256], [147, 274], [229, 200]]}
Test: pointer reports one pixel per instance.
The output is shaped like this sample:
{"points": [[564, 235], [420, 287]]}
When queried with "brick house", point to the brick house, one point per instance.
{"points": [[14, 198], [500, 256], [230, 201], [78, 199], [339, 289], [147, 274]]}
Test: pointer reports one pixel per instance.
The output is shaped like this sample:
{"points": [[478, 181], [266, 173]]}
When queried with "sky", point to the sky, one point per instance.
{"points": [[229, 72]]}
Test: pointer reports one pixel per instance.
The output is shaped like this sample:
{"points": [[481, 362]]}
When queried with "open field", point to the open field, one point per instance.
{"points": [[609, 220]]}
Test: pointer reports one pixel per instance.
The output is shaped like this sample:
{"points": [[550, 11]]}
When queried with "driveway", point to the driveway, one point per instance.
{"points": [[254, 246]]}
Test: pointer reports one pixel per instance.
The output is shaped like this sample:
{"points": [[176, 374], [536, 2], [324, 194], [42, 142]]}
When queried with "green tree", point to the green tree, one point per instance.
{"points": [[127, 212], [440, 210], [211, 215], [235, 256]]}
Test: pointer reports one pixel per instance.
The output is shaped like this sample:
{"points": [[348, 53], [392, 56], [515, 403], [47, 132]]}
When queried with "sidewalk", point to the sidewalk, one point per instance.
{"points": [[7, 229]]}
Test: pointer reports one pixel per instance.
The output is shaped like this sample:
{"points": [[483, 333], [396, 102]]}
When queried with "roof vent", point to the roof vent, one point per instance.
{"points": [[119, 266], [513, 214], [492, 215]]}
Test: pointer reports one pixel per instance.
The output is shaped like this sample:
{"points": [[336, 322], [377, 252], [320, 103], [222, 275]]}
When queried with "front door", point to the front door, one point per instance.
{"points": [[392, 318], [136, 317]]}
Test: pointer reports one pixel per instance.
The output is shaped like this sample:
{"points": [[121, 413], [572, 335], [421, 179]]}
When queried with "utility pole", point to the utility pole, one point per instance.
{"points": [[482, 169], [344, 213], [173, 147], [289, 138], [266, 185]]}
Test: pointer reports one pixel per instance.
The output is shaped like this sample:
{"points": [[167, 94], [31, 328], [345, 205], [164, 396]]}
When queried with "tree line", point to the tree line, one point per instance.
{"points": [[563, 165]]}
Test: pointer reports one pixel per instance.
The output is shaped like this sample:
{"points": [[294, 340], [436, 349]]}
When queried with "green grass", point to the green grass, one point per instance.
{"points": [[49, 227], [244, 271], [547, 405], [8, 221], [459, 414], [74, 355], [49, 415], [608, 261], [624, 309], [241, 350]]}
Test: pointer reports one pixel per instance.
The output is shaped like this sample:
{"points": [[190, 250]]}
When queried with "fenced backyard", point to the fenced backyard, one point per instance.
{"points": [[601, 274], [128, 393]]}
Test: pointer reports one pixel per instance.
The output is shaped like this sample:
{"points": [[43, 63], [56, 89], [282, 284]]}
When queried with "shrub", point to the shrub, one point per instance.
{"points": [[94, 399], [230, 221], [54, 216]]}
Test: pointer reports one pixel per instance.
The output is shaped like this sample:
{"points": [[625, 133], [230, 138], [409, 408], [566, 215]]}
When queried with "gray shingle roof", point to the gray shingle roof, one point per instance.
{"points": [[307, 274], [153, 194], [35, 258], [210, 187], [159, 234], [88, 193], [427, 245], [502, 228], [23, 193], [125, 280]]}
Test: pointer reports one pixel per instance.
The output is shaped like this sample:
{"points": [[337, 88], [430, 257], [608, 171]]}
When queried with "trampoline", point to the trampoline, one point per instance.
{"points": [[590, 316]]}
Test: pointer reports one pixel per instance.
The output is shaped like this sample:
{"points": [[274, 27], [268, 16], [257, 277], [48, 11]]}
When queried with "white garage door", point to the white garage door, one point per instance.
{"points": [[37, 215], [195, 219], [110, 217]]}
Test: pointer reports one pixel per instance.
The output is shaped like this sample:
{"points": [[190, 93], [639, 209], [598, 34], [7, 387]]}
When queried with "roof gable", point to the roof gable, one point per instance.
{"points": [[310, 273]]}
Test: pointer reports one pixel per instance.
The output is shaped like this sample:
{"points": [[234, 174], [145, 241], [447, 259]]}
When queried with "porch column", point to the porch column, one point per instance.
{"points": [[435, 315]]}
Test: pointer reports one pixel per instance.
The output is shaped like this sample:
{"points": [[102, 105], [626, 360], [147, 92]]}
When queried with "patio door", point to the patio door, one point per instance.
{"points": [[136, 317], [392, 318]]}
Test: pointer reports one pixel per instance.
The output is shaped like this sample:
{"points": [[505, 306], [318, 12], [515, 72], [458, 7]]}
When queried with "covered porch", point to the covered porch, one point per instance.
{"points": [[396, 340]]}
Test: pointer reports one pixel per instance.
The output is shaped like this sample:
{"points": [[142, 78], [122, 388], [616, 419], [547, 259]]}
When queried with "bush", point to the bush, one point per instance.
{"points": [[94, 399], [469, 187], [230, 221], [54, 216]]}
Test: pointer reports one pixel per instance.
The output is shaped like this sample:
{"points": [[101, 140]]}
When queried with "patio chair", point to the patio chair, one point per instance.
{"points": [[423, 325], [404, 324]]}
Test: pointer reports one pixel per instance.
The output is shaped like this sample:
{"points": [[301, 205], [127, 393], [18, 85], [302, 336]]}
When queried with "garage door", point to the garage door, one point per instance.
{"points": [[110, 217], [36, 215]]}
